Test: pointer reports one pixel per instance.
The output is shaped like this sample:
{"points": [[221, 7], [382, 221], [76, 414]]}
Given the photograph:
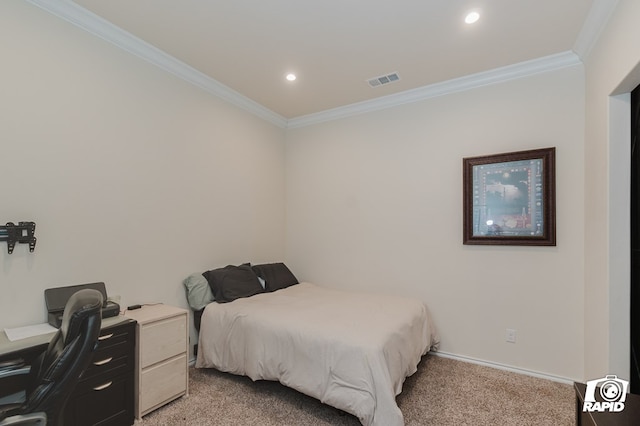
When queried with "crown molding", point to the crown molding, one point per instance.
{"points": [[92, 23], [599, 14], [510, 72]]}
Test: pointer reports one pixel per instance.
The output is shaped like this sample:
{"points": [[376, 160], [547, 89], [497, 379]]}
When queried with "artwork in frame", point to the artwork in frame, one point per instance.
{"points": [[509, 199]]}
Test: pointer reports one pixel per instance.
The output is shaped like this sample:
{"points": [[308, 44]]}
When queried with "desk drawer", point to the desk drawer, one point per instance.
{"points": [[111, 367], [115, 335], [109, 403], [105, 394], [115, 352]]}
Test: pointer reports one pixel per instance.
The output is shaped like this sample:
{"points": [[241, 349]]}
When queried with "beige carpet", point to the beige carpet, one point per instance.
{"points": [[442, 392]]}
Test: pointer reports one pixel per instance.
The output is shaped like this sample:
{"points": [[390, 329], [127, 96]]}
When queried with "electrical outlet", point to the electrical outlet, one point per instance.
{"points": [[511, 335]]}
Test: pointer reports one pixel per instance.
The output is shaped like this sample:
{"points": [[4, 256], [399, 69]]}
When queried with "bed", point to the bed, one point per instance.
{"points": [[350, 350]]}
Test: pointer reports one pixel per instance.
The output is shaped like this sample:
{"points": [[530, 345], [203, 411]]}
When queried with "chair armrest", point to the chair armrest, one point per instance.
{"points": [[11, 364], [32, 419], [13, 383], [15, 372]]}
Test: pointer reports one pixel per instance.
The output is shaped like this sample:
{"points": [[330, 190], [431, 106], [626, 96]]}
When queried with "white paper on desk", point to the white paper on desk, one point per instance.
{"points": [[18, 333]]}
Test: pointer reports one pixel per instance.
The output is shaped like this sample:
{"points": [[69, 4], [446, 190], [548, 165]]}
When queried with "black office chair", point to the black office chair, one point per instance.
{"points": [[55, 373]]}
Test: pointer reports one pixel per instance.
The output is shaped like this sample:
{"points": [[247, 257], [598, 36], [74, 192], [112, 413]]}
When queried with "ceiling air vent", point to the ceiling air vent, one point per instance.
{"points": [[383, 79]]}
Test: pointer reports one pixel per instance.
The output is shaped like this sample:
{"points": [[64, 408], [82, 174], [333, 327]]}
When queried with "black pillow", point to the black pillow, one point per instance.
{"points": [[276, 275], [233, 282]]}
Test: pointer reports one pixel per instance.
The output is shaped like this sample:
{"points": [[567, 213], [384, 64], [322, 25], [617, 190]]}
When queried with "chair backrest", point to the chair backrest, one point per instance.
{"points": [[56, 372]]}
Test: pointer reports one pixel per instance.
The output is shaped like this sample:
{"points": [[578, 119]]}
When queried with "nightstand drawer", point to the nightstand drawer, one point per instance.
{"points": [[163, 382], [164, 339]]}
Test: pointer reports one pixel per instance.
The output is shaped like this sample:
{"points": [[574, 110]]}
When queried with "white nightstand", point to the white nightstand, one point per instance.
{"points": [[161, 356]]}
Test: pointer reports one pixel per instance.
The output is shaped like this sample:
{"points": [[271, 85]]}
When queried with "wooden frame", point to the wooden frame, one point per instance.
{"points": [[510, 199]]}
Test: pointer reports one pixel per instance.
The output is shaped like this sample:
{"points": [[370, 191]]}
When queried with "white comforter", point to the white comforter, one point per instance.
{"points": [[349, 350]]}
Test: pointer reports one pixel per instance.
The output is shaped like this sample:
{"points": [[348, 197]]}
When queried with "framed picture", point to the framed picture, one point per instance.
{"points": [[510, 199]]}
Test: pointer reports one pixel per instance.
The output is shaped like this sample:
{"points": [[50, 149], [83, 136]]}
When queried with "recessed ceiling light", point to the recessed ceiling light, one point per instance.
{"points": [[291, 77], [472, 17]]}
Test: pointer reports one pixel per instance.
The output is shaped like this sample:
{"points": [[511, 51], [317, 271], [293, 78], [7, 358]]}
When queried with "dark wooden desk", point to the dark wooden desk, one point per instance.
{"points": [[629, 416], [26, 349], [35, 345], [104, 395]]}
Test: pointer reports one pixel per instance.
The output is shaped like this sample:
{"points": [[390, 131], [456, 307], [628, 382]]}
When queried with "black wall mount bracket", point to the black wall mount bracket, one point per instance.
{"points": [[23, 233]]}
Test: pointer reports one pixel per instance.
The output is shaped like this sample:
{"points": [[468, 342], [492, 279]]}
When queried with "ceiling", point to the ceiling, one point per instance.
{"points": [[335, 46]]}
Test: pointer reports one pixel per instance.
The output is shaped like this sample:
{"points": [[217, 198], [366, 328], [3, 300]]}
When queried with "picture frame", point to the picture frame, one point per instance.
{"points": [[510, 198]]}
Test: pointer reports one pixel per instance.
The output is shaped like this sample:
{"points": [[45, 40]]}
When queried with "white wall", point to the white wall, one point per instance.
{"points": [[133, 177], [375, 202], [136, 178], [611, 69]]}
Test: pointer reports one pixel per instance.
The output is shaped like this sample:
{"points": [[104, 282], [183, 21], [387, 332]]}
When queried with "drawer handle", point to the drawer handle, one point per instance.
{"points": [[102, 387], [103, 362], [105, 337]]}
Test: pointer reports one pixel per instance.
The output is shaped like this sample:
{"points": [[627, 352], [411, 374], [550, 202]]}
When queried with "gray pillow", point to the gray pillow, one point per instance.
{"points": [[198, 291], [276, 275], [233, 282]]}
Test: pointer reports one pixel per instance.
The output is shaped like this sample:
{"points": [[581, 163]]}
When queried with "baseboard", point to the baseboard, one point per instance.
{"points": [[505, 367], [491, 364]]}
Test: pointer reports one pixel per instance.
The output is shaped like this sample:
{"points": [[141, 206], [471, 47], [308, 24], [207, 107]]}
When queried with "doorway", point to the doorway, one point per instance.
{"points": [[635, 244]]}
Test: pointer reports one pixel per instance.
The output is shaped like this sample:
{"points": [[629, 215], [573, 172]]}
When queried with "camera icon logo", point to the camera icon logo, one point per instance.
{"points": [[605, 394]]}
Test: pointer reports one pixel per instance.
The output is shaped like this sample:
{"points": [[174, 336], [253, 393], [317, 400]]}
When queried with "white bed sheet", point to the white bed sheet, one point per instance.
{"points": [[350, 350]]}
